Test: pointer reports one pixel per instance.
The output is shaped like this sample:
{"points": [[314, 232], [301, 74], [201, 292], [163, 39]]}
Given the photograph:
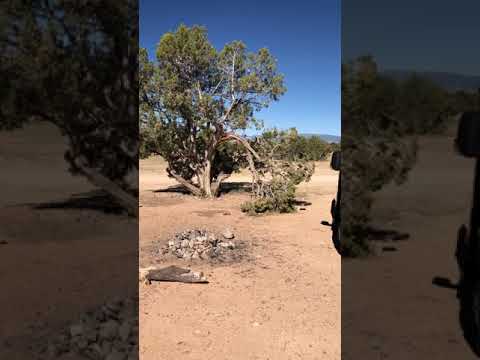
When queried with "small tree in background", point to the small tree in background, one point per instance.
{"points": [[194, 99]]}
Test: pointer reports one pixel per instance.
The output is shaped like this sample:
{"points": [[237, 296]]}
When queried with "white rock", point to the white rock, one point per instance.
{"points": [[228, 234]]}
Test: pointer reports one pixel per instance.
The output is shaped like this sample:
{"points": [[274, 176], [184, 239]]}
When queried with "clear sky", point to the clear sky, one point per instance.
{"points": [[303, 35], [421, 35]]}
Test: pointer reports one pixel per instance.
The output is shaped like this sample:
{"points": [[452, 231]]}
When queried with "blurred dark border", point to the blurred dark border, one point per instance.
{"points": [[69, 183], [409, 73]]}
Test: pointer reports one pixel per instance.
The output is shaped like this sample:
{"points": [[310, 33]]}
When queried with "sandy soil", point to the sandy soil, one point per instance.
{"points": [[56, 263], [282, 302], [390, 308]]}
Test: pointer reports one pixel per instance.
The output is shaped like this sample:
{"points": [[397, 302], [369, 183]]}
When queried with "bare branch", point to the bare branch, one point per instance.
{"points": [[188, 184], [242, 141], [232, 85], [216, 87], [127, 200]]}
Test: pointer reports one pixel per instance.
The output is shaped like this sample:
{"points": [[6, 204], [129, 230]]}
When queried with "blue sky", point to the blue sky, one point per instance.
{"points": [[303, 35]]}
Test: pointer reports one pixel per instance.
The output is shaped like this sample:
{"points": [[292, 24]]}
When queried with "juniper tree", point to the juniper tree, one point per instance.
{"points": [[75, 66], [381, 119], [194, 99]]}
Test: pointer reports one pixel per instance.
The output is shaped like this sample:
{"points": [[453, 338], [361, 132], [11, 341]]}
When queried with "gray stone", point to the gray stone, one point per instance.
{"points": [[209, 253], [91, 335], [76, 330], [81, 343], [228, 234], [100, 315], [184, 243], [179, 253], [95, 350], [109, 330]]}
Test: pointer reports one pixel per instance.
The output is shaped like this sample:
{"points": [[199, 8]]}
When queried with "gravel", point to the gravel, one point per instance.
{"points": [[109, 332]]}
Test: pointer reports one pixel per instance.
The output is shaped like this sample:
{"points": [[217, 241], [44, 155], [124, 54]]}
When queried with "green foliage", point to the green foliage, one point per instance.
{"points": [[313, 148], [462, 101], [194, 98], [381, 119], [281, 199], [230, 158], [423, 106], [75, 66], [277, 172]]}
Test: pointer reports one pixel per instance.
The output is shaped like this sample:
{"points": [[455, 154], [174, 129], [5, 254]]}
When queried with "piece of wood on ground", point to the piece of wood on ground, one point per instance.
{"points": [[171, 273]]}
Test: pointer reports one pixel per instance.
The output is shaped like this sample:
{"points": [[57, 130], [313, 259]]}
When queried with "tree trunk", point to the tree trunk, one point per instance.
{"points": [[129, 202], [206, 180], [216, 185], [189, 185]]}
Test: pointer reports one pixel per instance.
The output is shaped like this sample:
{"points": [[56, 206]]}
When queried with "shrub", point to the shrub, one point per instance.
{"points": [[276, 172]]}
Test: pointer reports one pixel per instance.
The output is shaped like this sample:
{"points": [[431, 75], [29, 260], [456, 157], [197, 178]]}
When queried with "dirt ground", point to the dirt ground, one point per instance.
{"points": [[54, 263], [395, 311], [282, 302]]}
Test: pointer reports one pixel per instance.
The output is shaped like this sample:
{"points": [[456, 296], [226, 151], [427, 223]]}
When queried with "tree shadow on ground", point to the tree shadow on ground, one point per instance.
{"points": [[301, 203], [444, 283], [229, 187], [226, 187], [176, 189], [377, 234], [97, 200]]}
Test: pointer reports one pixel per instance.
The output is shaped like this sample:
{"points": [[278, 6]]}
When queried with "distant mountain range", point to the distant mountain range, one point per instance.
{"points": [[325, 137], [448, 81]]}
